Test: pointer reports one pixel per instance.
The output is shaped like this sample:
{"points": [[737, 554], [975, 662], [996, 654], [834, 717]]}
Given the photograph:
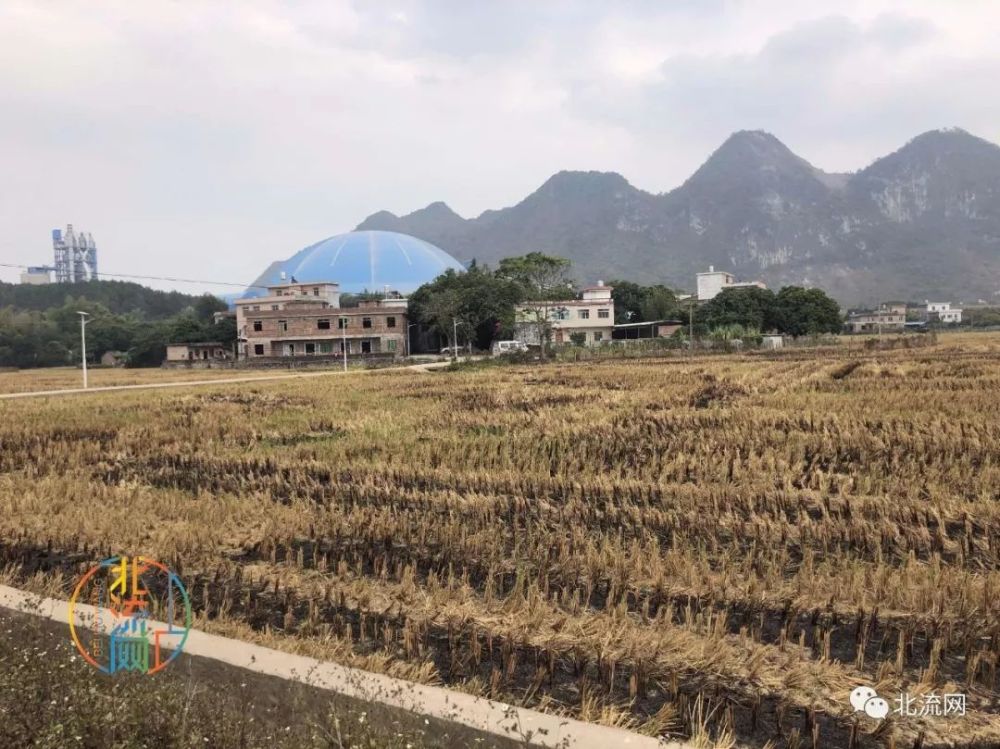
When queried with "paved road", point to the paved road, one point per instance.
{"points": [[478, 713], [425, 367]]}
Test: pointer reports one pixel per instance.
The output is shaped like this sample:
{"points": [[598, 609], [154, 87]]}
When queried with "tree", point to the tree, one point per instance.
{"points": [[40, 326], [207, 305], [118, 297], [659, 303], [544, 281], [628, 297], [801, 311], [481, 302], [541, 277], [983, 317], [749, 306], [636, 303]]}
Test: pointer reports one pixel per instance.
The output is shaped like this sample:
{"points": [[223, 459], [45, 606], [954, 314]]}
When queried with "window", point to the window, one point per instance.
{"points": [[315, 290], [366, 347], [603, 314], [390, 322], [310, 348], [289, 349], [366, 322], [585, 314], [342, 347], [256, 308], [325, 347], [275, 307], [258, 326], [342, 322], [598, 336], [258, 349], [283, 326], [323, 324], [391, 344], [560, 313]]}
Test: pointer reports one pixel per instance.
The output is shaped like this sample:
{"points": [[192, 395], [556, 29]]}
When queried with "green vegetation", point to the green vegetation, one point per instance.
{"points": [[118, 297], [39, 325], [793, 310], [50, 698], [635, 303], [481, 302], [982, 317]]}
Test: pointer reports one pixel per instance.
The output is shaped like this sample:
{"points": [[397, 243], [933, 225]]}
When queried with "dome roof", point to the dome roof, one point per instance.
{"points": [[363, 261]]}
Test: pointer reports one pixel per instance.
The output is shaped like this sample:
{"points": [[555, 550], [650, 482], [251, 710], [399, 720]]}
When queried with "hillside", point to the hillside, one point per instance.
{"points": [[921, 222], [119, 297]]}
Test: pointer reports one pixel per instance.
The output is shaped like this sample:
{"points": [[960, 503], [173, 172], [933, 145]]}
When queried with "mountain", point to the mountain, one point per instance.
{"points": [[922, 222]]}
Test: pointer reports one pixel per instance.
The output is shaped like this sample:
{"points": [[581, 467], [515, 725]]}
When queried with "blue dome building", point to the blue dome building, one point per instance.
{"points": [[362, 261]]}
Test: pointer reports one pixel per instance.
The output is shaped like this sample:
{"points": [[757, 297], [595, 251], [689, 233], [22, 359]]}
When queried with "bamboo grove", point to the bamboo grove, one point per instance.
{"points": [[719, 547]]}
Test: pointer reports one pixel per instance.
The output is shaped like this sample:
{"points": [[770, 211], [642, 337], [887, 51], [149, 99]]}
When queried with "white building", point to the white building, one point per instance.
{"points": [[37, 276], [592, 316], [711, 283], [943, 312]]}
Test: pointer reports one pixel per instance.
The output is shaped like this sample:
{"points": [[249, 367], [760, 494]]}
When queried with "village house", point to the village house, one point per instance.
{"points": [[888, 317], [589, 319], [942, 312], [203, 354], [305, 320], [713, 282]]}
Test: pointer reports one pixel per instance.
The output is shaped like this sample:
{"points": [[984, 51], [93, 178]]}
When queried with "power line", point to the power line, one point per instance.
{"points": [[150, 278]]}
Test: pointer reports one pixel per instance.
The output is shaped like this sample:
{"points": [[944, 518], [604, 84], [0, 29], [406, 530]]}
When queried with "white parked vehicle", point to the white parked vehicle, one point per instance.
{"points": [[500, 348]]}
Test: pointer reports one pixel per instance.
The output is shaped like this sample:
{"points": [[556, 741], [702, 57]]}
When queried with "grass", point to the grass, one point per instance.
{"points": [[718, 547], [49, 698], [60, 378]]}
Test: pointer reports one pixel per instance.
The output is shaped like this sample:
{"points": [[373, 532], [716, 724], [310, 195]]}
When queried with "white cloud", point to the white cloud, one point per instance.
{"points": [[206, 139]]}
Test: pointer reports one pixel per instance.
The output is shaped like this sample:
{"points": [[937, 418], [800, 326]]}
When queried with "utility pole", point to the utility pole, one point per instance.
{"points": [[691, 326], [83, 344], [343, 339]]}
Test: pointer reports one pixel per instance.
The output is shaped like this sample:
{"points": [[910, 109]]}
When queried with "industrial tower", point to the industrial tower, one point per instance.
{"points": [[75, 255]]}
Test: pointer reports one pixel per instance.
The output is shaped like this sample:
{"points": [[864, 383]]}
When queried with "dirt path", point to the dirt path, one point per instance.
{"points": [[424, 367]]}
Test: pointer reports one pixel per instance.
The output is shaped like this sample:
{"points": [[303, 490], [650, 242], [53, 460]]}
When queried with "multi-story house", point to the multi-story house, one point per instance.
{"points": [[942, 312], [592, 317], [306, 320], [891, 316], [713, 282]]}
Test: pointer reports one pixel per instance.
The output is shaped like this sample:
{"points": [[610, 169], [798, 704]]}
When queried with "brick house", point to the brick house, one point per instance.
{"points": [[305, 320]]}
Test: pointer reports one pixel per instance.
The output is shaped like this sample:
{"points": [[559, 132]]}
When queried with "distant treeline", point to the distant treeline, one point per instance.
{"points": [[118, 297], [40, 327], [479, 304]]}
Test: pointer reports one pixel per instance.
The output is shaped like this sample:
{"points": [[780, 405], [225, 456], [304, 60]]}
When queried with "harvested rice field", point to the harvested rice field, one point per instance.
{"points": [[718, 548]]}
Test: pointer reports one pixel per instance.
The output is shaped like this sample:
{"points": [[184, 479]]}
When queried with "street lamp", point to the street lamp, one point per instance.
{"points": [[83, 343], [343, 339], [411, 325]]}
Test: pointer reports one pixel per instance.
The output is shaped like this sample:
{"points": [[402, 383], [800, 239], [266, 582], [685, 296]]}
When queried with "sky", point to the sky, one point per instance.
{"points": [[204, 140]]}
